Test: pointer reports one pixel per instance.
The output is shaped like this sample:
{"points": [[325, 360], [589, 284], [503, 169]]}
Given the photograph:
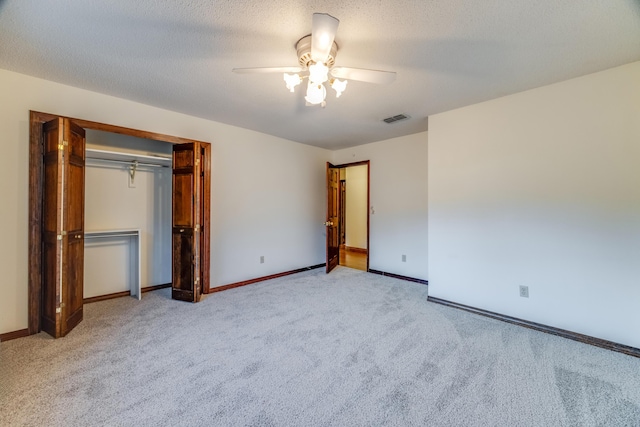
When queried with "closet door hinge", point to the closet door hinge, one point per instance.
{"points": [[64, 233], [64, 144]]}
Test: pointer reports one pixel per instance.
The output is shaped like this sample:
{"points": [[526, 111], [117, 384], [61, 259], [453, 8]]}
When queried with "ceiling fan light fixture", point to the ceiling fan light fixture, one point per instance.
{"points": [[292, 80], [339, 86], [318, 73], [316, 58], [316, 93]]}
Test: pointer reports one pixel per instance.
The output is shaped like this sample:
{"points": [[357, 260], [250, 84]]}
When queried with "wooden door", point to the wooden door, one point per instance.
{"points": [[333, 216], [63, 226], [186, 222], [343, 213]]}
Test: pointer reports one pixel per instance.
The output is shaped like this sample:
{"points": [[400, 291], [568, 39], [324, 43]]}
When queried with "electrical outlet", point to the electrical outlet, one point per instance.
{"points": [[524, 291], [262, 259], [404, 258]]}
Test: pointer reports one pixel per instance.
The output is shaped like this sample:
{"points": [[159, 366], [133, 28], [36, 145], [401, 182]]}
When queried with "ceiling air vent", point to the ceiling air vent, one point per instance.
{"points": [[397, 118]]}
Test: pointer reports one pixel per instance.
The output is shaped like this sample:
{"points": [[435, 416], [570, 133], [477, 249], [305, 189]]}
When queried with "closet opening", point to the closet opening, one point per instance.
{"points": [[105, 200], [127, 239]]}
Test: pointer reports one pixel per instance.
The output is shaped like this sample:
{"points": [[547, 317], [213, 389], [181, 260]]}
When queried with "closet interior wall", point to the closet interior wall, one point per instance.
{"points": [[115, 201]]}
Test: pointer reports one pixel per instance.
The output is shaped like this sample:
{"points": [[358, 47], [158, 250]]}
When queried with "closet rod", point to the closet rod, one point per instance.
{"points": [[99, 236], [127, 162]]}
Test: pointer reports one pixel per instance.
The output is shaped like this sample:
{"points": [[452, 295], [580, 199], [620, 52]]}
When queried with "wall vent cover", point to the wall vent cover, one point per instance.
{"points": [[396, 118]]}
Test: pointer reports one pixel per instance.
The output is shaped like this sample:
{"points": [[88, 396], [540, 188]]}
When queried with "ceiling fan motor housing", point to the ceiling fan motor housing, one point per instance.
{"points": [[304, 53]]}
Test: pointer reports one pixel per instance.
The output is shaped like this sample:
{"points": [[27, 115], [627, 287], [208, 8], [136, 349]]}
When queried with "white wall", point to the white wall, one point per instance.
{"points": [[356, 206], [398, 225], [257, 209], [112, 204], [542, 189]]}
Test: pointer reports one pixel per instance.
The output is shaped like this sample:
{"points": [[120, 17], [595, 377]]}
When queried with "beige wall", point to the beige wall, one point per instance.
{"points": [[542, 189], [251, 190], [398, 224]]}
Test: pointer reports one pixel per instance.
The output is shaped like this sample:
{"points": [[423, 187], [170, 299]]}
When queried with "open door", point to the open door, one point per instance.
{"points": [[63, 226], [187, 221], [333, 216]]}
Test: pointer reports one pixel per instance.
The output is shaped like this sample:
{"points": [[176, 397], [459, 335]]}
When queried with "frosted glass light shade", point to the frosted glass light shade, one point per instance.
{"points": [[318, 73], [339, 86], [292, 80], [316, 93]]}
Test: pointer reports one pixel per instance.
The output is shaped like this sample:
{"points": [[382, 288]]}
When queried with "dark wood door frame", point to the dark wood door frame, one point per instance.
{"points": [[36, 183], [368, 164]]}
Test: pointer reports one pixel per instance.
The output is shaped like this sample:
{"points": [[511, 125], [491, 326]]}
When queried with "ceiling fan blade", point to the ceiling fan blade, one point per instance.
{"points": [[364, 75], [264, 70], [323, 32]]}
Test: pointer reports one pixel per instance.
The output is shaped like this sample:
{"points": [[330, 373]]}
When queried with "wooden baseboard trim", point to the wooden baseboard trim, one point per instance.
{"points": [[106, 297], [262, 279], [155, 287], [397, 276], [586, 339], [124, 293], [354, 249], [13, 335]]}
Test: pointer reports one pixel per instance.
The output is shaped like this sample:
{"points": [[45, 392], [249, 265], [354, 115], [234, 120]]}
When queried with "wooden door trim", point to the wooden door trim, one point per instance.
{"points": [[36, 185], [368, 164], [360, 163]]}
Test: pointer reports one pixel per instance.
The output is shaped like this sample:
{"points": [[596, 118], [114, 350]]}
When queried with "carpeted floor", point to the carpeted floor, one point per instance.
{"points": [[345, 349]]}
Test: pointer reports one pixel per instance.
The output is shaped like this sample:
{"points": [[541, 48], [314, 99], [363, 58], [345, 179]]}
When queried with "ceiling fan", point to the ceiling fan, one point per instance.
{"points": [[316, 56]]}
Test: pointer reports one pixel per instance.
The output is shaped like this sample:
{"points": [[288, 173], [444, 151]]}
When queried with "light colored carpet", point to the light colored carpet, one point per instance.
{"points": [[345, 349]]}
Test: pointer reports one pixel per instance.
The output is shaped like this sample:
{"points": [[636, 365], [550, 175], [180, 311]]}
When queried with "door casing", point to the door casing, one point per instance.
{"points": [[36, 188]]}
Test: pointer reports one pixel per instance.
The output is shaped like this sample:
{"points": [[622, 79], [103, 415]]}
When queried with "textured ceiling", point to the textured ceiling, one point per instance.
{"points": [[178, 55]]}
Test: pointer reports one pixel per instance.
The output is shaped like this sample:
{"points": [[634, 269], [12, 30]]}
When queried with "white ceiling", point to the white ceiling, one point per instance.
{"points": [[178, 55]]}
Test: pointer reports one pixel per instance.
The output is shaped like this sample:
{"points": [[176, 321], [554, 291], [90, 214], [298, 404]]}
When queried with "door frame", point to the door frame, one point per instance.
{"points": [[36, 186], [368, 164]]}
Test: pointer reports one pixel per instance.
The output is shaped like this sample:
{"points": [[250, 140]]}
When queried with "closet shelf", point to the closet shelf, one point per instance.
{"points": [[122, 157]]}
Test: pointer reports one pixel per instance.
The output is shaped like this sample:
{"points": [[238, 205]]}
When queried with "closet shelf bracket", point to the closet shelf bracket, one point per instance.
{"points": [[132, 170]]}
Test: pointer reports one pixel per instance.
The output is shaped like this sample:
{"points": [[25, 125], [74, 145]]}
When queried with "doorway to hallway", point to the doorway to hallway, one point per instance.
{"points": [[348, 215]]}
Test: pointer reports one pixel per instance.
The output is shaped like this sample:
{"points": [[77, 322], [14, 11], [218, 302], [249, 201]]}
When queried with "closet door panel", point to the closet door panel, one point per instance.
{"points": [[74, 217], [183, 271], [205, 215], [183, 200], [63, 226], [186, 271], [52, 227], [49, 318]]}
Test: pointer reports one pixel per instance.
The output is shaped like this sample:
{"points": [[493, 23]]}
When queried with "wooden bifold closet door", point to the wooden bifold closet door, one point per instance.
{"points": [[57, 252], [190, 215], [63, 226]]}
